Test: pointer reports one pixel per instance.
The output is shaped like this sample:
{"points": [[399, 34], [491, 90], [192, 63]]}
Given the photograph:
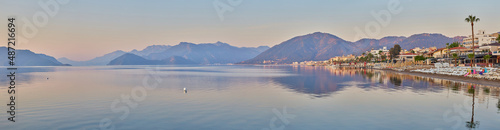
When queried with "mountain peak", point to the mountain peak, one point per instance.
{"points": [[427, 35], [218, 43], [186, 43], [314, 46], [319, 46], [322, 35]]}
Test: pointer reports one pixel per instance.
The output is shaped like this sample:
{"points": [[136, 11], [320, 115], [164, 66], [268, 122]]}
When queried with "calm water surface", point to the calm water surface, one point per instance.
{"points": [[243, 97]]}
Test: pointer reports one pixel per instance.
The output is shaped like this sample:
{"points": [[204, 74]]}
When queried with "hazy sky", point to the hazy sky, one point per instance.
{"points": [[84, 29]]}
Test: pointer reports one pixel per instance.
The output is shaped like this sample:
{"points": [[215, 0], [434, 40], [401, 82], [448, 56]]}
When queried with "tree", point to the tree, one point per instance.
{"points": [[487, 58], [454, 44], [471, 56], [369, 57], [379, 55], [471, 19], [395, 51], [391, 51], [448, 45], [383, 57], [455, 57], [419, 58]]}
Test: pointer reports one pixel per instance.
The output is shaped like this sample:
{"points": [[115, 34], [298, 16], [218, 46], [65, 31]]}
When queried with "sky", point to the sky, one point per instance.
{"points": [[84, 29]]}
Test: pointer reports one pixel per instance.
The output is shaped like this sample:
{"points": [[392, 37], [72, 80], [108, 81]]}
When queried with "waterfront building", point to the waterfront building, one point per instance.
{"points": [[480, 39]]}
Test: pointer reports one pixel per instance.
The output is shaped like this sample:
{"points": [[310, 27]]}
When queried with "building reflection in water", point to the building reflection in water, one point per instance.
{"points": [[322, 81]]}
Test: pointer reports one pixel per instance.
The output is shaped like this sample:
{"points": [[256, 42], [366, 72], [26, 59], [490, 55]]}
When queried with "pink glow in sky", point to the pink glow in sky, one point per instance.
{"points": [[82, 30]]}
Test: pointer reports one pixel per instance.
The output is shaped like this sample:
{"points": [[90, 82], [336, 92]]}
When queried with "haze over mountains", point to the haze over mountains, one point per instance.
{"points": [[323, 46], [209, 53], [132, 59], [183, 53], [102, 60], [29, 58], [315, 46]]}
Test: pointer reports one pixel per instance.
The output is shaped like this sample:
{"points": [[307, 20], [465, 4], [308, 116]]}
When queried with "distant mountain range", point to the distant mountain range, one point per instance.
{"points": [[323, 46], [151, 49], [209, 53], [183, 53], [105, 59], [132, 59], [98, 61], [316, 46], [29, 58]]}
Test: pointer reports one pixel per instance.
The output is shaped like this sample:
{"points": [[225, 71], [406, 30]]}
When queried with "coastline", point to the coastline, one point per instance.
{"points": [[493, 83]]}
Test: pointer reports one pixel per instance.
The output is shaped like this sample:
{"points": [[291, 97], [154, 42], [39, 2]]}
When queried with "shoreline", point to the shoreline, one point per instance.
{"points": [[493, 83]]}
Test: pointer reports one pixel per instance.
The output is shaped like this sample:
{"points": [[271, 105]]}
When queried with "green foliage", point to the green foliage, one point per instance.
{"points": [[487, 57], [471, 90], [470, 55], [369, 57], [455, 56], [471, 19], [394, 51], [419, 58], [364, 59], [454, 44], [486, 90]]}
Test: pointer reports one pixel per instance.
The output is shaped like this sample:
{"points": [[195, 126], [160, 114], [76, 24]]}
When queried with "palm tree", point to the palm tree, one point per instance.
{"points": [[471, 55], [471, 19], [455, 56], [487, 58]]}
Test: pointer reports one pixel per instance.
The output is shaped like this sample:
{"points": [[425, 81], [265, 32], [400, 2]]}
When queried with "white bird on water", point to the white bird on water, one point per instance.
{"points": [[185, 90]]}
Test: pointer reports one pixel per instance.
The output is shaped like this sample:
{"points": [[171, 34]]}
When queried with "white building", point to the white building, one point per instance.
{"points": [[375, 52], [480, 39]]}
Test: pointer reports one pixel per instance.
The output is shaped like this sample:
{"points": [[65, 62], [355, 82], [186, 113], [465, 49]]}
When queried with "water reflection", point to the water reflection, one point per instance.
{"points": [[242, 97], [498, 106], [22, 74], [324, 81], [472, 124]]}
